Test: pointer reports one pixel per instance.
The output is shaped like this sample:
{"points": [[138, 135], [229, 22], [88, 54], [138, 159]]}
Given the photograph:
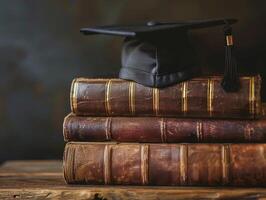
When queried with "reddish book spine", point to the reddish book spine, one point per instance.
{"points": [[199, 97], [162, 130], [165, 164]]}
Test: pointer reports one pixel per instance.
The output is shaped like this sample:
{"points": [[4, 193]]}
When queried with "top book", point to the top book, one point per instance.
{"points": [[198, 97]]}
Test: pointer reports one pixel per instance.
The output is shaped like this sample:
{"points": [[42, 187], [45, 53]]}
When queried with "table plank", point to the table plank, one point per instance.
{"points": [[44, 180]]}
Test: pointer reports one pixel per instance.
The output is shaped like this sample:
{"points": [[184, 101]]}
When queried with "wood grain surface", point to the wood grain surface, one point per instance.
{"points": [[44, 180]]}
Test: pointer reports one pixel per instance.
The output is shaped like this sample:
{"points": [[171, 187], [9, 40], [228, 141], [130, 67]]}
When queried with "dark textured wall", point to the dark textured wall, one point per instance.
{"points": [[41, 51]]}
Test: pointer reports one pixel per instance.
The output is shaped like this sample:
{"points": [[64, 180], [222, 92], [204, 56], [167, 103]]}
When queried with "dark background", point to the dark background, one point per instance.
{"points": [[41, 51]]}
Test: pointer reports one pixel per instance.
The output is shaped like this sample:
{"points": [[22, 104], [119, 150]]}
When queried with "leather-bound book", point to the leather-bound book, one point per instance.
{"points": [[165, 164], [163, 130], [198, 97]]}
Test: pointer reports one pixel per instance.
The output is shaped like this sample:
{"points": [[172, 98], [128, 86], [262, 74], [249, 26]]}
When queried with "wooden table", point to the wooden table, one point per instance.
{"points": [[44, 180]]}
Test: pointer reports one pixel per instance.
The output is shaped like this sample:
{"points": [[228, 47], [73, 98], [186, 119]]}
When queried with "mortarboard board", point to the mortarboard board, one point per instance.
{"points": [[159, 54]]}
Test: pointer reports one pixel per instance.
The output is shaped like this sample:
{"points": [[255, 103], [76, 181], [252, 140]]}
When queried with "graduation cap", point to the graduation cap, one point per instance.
{"points": [[158, 54]]}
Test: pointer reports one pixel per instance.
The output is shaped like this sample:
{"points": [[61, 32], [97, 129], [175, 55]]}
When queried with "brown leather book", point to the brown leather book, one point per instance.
{"points": [[165, 164], [199, 97], [162, 130]]}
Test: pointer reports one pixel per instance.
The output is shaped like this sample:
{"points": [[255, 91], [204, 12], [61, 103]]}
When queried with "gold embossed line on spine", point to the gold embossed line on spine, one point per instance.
{"points": [[106, 163], [252, 95], [163, 130], [73, 95], [144, 163], [210, 94], [184, 97], [225, 164], [229, 40], [199, 131], [156, 100], [183, 164], [108, 128], [131, 90], [107, 97]]}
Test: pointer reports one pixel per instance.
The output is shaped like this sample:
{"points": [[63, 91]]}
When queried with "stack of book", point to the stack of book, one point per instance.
{"points": [[192, 133]]}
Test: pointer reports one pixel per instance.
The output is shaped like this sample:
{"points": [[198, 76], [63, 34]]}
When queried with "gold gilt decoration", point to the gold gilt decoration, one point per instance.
{"points": [[184, 97], [163, 131], [229, 40], [107, 97], [144, 163], [210, 92], [108, 128], [183, 164], [155, 99], [106, 162], [131, 90], [252, 95], [73, 96], [225, 163], [199, 131]]}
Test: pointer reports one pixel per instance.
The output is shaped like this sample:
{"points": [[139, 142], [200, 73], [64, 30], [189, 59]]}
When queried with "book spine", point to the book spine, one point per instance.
{"points": [[199, 97], [161, 164], [162, 130]]}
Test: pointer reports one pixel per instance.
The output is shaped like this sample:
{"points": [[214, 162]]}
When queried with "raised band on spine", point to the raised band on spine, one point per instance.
{"points": [[107, 97], [225, 164], [163, 130], [131, 90], [106, 163], [184, 97], [210, 92], [144, 164], [156, 100], [108, 129], [199, 131], [252, 95], [183, 164]]}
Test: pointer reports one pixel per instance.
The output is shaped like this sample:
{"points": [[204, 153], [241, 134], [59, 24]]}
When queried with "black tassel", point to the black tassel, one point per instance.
{"points": [[230, 82]]}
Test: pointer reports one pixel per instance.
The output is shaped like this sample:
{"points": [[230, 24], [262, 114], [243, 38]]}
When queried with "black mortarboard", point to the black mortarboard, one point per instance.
{"points": [[159, 54]]}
